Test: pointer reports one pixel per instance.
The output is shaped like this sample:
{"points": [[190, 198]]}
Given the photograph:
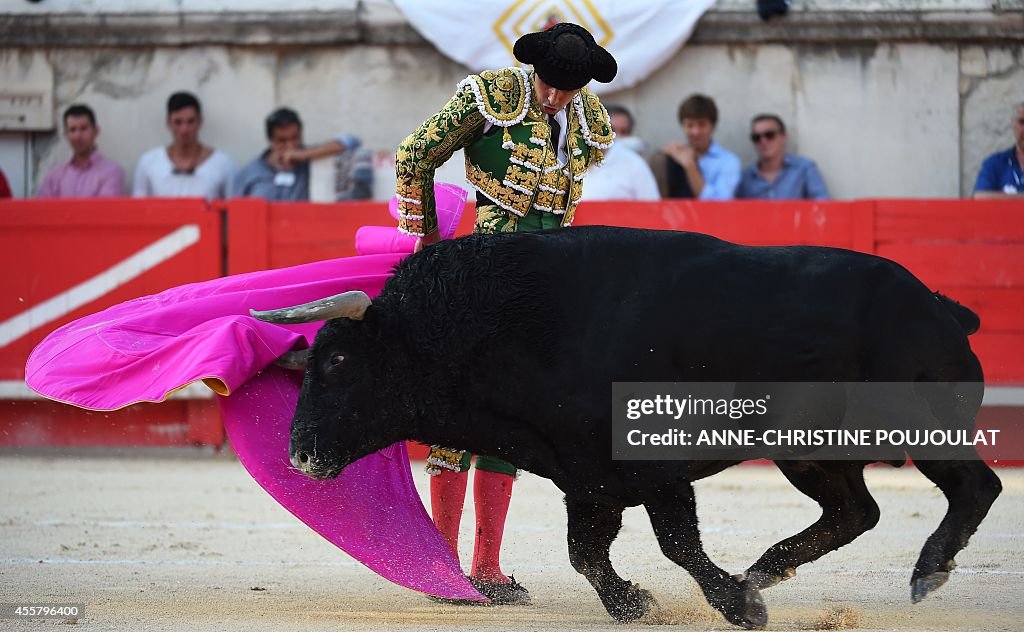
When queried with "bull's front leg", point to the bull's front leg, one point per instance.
{"points": [[592, 529], [673, 512]]}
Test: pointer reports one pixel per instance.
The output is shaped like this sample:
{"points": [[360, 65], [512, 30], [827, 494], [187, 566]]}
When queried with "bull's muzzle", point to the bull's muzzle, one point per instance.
{"points": [[312, 465]]}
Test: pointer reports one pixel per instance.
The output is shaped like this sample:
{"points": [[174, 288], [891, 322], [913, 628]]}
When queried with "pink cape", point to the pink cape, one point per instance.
{"points": [[143, 350]]}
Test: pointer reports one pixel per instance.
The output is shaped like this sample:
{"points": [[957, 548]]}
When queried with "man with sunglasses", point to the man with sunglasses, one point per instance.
{"points": [[778, 175]]}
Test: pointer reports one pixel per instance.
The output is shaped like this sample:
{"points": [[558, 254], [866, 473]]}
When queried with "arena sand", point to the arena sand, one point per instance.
{"points": [[185, 542]]}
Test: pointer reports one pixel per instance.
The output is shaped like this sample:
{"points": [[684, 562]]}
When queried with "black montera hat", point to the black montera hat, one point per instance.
{"points": [[566, 56]]}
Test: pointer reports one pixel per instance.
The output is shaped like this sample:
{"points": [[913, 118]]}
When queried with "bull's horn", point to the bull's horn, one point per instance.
{"points": [[345, 305], [294, 360]]}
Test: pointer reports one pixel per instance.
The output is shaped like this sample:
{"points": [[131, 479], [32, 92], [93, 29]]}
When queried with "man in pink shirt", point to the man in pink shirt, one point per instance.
{"points": [[88, 173]]}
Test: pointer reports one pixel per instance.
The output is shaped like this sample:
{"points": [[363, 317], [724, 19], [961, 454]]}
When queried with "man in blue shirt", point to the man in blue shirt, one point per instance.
{"points": [[777, 175], [281, 172], [699, 168], [1001, 174]]}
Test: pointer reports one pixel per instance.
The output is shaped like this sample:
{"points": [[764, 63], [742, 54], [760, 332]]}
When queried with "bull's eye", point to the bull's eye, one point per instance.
{"points": [[336, 360]]}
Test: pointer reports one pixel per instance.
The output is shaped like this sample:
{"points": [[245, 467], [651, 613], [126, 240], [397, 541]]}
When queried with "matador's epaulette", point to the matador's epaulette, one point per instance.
{"points": [[501, 95], [594, 121]]}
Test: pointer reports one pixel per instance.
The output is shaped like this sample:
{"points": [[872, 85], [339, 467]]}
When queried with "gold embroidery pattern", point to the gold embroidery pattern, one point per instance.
{"points": [[521, 176], [500, 94], [597, 128], [441, 458], [552, 195], [505, 196], [539, 127], [426, 149], [524, 153], [491, 219], [574, 197]]}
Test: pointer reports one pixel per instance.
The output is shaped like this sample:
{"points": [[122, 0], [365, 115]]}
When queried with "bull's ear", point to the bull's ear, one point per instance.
{"points": [[294, 360], [345, 305]]}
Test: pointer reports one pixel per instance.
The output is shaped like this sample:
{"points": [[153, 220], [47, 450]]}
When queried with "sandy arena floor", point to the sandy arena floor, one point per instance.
{"points": [[187, 542]]}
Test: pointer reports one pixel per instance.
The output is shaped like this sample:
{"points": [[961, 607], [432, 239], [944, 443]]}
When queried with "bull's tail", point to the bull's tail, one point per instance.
{"points": [[969, 321]]}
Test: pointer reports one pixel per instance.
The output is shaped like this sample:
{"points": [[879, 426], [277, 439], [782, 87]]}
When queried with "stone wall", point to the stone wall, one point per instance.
{"points": [[898, 98]]}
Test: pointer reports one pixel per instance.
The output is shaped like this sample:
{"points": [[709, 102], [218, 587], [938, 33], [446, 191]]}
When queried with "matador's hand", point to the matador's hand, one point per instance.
{"points": [[427, 240]]}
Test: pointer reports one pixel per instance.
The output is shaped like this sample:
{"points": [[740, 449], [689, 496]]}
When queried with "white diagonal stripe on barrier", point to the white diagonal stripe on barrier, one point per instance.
{"points": [[104, 282], [18, 389]]}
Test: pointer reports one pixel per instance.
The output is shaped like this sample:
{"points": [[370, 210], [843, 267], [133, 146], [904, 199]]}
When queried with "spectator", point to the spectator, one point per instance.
{"points": [[185, 168], [281, 172], [701, 168], [623, 174], [89, 173], [623, 124], [5, 189], [1001, 174], [777, 175]]}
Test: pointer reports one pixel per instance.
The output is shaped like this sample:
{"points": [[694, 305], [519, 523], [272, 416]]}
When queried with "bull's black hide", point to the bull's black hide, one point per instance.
{"points": [[507, 345]]}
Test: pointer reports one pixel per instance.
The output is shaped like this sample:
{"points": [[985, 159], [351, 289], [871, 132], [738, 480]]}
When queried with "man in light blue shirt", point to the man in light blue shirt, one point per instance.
{"points": [[777, 175], [699, 168], [281, 172]]}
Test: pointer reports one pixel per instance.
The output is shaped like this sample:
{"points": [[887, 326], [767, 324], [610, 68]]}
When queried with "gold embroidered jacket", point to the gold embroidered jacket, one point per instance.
{"points": [[515, 163]]}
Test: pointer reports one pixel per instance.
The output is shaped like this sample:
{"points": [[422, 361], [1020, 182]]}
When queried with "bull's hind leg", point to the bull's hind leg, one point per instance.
{"points": [[847, 511], [673, 514], [970, 487], [592, 529]]}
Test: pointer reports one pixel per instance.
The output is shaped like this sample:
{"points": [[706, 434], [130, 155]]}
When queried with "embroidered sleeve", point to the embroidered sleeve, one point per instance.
{"points": [[458, 124], [594, 121]]}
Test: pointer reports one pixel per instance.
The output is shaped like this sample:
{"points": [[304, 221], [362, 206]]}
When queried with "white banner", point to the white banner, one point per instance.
{"points": [[640, 34]]}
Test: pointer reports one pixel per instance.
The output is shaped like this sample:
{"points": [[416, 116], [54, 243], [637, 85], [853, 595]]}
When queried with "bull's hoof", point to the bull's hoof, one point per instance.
{"points": [[923, 586], [924, 582], [631, 604], [761, 580], [748, 610]]}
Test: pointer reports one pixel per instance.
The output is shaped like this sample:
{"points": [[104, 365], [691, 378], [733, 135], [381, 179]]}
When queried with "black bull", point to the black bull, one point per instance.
{"points": [[507, 345]]}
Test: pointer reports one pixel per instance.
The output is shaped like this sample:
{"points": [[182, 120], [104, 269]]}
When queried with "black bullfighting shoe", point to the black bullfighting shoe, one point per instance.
{"points": [[511, 594], [455, 602]]}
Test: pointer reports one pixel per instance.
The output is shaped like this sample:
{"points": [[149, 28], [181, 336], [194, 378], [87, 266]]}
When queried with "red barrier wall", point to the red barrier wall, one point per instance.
{"points": [[262, 235], [971, 250], [69, 258]]}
